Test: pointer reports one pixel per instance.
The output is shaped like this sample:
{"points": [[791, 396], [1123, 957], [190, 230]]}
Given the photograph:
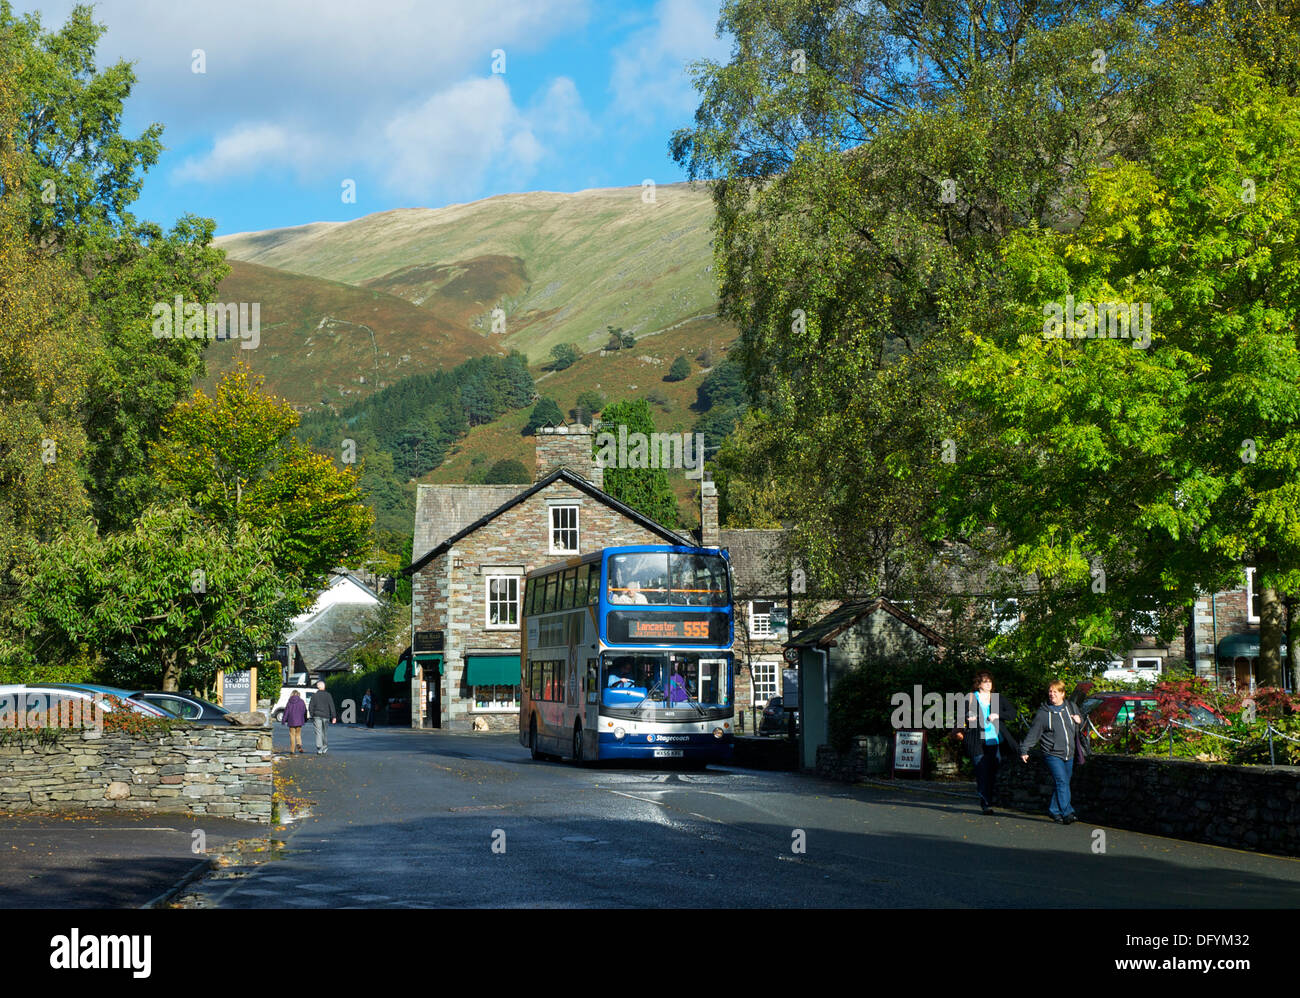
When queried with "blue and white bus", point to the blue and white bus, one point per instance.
{"points": [[627, 655]]}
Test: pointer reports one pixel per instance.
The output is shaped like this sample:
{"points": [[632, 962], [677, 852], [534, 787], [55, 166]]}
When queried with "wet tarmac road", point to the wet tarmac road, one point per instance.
{"points": [[408, 819]]}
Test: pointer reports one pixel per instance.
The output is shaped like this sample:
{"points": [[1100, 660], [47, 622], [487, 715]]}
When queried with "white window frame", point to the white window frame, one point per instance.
{"points": [[775, 684], [488, 601], [1158, 664], [555, 529], [1252, 611], [495, 705], [1008, 623], [755, 631]]}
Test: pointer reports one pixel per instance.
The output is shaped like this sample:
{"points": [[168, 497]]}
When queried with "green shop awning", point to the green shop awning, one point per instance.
{"points": [[426, 662], [492, 670], [1242, 646]]}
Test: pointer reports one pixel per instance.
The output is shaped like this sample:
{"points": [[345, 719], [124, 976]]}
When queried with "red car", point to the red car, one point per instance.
{"points": [[1110, 712]]}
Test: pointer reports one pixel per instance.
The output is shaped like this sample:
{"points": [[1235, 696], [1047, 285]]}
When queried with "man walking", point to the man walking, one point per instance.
{"points": [[323, 714]]}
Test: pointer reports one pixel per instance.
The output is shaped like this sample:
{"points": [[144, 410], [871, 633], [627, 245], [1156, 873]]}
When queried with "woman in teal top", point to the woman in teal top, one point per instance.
{"points": [[986, 737]]}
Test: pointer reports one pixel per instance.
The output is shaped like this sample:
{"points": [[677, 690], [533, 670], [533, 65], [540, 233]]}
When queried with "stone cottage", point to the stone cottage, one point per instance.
{"points": [[473, 546]]}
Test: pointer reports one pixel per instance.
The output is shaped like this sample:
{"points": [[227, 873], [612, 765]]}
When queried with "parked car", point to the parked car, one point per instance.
{"points": [[186, 706], [1110, 712], [776, 718], [55, 691], [399, 710], [304, 683]]}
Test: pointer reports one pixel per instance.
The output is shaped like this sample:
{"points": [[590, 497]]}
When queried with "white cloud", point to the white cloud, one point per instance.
{"points": [[649, 73], [451, 140], [248, 149], [559, 112]]}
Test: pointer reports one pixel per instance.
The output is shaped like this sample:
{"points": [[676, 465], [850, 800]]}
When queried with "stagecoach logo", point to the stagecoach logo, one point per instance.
{"points": [[668, 738]]}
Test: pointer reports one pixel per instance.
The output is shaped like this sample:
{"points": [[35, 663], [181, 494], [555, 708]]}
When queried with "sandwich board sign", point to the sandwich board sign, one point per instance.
{"points": [[909, 752]]}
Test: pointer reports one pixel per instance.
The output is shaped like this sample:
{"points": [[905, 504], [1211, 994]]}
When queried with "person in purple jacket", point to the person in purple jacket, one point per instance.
{"points": [[295, 715]]}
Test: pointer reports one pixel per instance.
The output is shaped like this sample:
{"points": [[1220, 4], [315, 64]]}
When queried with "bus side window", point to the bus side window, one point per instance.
{"points": [[593, 588], [552, 590]]}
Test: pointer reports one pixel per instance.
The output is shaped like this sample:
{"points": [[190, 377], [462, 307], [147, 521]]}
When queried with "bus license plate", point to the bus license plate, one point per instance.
{"points": [[668, 753]]}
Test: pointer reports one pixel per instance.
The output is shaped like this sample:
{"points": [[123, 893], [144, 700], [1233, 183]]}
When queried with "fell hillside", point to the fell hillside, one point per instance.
{"points": [[625, 374], [562, 267], [324, 340]]}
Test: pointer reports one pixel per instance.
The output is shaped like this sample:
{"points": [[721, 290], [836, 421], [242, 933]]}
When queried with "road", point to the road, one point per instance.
{"points": [[409, 819]]}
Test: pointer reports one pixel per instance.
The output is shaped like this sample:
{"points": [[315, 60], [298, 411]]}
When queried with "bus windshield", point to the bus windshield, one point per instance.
{"points": [[659, 578], [652, 682]]}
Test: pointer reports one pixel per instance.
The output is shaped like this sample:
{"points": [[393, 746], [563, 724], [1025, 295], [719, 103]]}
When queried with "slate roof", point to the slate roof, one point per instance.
{"points": [[826, 630], [758, 567], [444, 510], [331, 633], [520, 494]]}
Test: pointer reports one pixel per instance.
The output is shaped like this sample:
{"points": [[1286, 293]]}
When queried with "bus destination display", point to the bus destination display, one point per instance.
{"points": [[667, 629], [632, 626]]}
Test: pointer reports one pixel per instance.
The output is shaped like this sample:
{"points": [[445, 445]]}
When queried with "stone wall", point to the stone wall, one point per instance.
{"points": [[1244, 807], [195, 769], [867, 756]]}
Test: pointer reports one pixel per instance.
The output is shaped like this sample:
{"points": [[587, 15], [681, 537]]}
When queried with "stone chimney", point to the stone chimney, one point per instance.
{"points": [[567, 447], [709, 533]]}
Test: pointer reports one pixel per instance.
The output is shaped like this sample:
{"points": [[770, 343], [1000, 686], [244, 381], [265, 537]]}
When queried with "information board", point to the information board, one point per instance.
{"points": [[237, 691]]}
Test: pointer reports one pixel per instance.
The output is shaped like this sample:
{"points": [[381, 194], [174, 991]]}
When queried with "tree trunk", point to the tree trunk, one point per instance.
{"points": [[1293, 636], [1270, 639], [171, 680]]}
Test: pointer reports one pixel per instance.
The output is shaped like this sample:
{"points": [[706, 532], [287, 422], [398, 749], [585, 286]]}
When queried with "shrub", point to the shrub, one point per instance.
{"points": [[506, 473], [564, 355], [679, 371]]}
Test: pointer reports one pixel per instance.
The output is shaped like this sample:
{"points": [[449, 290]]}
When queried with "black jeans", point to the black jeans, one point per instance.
{"points": [[986, 774]]}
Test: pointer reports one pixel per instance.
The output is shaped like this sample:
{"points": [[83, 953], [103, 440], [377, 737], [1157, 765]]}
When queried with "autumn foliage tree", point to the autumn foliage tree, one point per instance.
{"points": [[234, 458]]}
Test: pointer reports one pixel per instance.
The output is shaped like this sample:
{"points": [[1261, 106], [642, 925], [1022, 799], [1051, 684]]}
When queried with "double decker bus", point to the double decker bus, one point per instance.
{"points": [[626, 654]]}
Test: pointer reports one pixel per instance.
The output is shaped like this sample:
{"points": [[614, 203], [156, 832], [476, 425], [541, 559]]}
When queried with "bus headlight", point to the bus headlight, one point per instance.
{"points": [[619, 732], [717, 732]]}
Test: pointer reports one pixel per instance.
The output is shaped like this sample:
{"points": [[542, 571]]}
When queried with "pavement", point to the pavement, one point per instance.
{"points": [[105, 859]]}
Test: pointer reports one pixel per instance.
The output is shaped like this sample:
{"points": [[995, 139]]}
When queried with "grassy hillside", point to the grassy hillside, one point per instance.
{"points": [[322, 339], [561, 266], [351, 307]]}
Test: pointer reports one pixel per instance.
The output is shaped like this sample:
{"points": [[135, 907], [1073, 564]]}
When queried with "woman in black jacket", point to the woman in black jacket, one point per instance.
{"points": [[1057, 725], [986, 736]]}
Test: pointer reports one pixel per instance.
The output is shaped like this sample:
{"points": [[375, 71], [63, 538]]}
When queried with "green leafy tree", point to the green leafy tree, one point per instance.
{"points": [[860, 202], [588, 404], [545, 413], [78, 176], [1128, 475], [680, 370], [175, 598], [47, 352], [646, 490]]}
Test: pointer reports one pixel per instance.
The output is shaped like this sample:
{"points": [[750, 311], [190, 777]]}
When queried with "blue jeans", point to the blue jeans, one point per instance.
{"points": [[1061, 770]]}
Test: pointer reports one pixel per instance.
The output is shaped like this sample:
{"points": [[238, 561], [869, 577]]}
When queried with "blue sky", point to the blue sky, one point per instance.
{"points": [[399, 97]]}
